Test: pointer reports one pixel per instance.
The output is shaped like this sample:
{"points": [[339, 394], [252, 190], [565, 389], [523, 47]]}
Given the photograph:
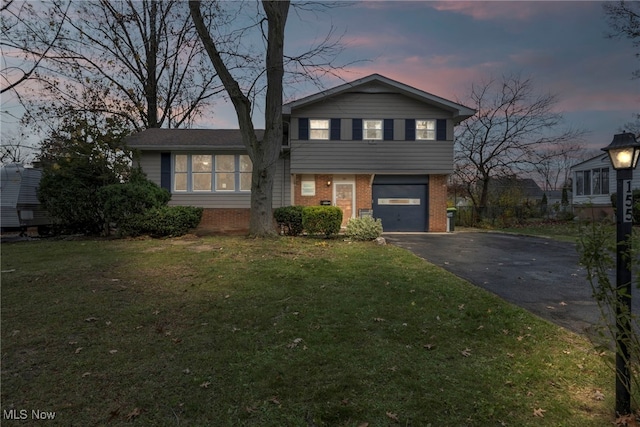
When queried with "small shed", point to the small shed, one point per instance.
{"points": [[19, 204]]}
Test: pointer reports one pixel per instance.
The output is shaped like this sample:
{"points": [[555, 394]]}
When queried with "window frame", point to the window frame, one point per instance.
{"points": [[379, 129], [201, 173], [308, 185], [430, 132], [319, 133], [592, 182], [240, 169]]}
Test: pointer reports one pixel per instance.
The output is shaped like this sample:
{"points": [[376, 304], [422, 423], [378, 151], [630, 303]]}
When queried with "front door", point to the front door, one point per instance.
{"points": [[344, 200]]}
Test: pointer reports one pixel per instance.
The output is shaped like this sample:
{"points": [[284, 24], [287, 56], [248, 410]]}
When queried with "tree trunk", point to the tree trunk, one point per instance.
{"points": [[268, 151], [264, 154], [481, 209], [151, 87]]}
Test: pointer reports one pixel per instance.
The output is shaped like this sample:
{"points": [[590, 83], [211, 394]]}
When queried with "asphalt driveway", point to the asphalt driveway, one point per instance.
{"points": [[538, 274]]}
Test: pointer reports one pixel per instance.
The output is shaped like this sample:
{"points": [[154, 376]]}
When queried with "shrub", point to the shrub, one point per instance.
{"points": [[365, 228], [166, 221], [126, 200], [322, 220], [289, 219]]}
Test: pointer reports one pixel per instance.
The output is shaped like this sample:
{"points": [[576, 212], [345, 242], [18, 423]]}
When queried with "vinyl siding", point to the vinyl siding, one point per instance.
{"points": [[371, 106], [150, 162], [405, 157], [601, 161]]}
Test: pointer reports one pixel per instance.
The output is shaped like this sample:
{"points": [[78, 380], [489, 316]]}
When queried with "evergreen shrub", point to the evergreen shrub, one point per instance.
{"points": [[322, 220], [289, 219]]}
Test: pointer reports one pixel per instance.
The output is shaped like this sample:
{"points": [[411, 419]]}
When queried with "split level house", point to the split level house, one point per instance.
{"points": [[373, 146], [594, 182]]}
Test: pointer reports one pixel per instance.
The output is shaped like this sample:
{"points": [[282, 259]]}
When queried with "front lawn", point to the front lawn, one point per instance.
{"points": [[287, 332]]}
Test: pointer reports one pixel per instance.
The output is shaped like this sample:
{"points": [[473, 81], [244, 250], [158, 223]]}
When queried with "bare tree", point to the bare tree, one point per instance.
{"points": [[624, 22], [138, 60], [21, 33], [552, 164], [263, 153], [261, 73], [513, 121]]}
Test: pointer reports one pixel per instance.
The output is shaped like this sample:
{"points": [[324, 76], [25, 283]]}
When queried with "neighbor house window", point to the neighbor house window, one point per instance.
{"points": [[319, 129], [372, 129], [308, 186], [592, 182], [426, 129], [211, 173]]}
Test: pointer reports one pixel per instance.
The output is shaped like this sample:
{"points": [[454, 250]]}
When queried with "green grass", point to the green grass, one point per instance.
{"points": [[567, 231], [287, 332]]}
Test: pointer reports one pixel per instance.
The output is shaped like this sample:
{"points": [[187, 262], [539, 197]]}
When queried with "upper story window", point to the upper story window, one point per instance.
{"points": [[425, 130], [372, 129], [592, 182], [211, 173], [319, 129]]}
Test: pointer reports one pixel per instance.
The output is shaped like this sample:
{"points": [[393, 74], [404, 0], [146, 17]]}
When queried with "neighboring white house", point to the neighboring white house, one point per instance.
{"points": [[594, 181]]}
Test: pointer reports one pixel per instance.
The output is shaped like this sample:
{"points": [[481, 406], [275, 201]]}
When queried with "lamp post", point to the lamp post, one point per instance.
{"points": [[623, 151]]}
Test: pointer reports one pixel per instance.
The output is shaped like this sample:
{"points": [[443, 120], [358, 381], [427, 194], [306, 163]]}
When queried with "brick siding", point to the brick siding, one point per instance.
{"points": [[224, 221], [437, 203]]}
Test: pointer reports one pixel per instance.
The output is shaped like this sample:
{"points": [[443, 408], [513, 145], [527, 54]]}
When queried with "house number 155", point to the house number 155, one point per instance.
{"points": [[628, 202]]}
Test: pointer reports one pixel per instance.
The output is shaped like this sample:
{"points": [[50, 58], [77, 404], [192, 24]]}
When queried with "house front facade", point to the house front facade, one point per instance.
{"points": [[594, 182], [371, 147]]}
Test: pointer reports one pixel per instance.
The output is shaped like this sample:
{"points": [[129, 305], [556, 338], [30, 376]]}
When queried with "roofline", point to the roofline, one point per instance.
{"points": [[588, 160], [188, 147], [460, 110]]}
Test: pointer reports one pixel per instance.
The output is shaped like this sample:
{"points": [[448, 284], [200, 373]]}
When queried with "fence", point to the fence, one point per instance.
{"points": [[505, 216]]}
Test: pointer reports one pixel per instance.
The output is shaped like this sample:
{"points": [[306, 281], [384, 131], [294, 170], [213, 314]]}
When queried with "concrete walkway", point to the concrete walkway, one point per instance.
{"points": [[538, 274]]}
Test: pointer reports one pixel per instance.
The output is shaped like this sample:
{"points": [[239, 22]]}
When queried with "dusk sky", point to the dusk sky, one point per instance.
{"points": [[444, 47]]}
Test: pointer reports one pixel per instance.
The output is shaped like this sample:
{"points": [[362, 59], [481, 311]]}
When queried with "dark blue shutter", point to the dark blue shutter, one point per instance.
{"points": [[441, 130], [410, 130], [388, 130], [357, 129], [165, 171], [303, 129], [334, 132]]}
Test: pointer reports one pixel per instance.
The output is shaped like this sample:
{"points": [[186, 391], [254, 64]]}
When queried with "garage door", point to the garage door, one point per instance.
{"points": [[401, 202]]}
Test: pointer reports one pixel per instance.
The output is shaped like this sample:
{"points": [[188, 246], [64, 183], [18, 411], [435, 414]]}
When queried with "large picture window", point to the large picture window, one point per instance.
{"points": [[212, 173], [201, 172], [592, 182]]}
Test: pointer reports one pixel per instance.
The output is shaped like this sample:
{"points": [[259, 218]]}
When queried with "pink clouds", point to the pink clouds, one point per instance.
{"points": [[484, 11]]}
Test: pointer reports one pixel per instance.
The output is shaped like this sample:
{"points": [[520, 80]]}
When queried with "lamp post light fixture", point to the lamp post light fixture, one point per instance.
{"points": [[624, 152]]}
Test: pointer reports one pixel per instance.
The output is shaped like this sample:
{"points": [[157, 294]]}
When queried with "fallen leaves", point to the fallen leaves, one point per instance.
{"points": [[598, 395], [134, 414], [393, 416], [627, 421], [294, 343], [466, 352], [539, 412]]}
